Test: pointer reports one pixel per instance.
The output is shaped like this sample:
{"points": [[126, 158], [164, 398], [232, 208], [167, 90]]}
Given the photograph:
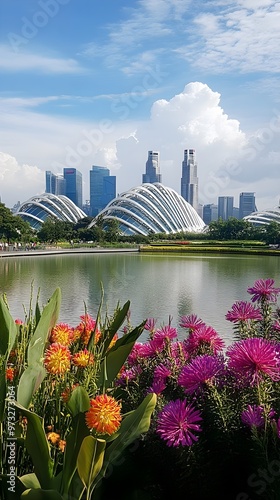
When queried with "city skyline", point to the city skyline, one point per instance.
{"points": [[82, 87]]}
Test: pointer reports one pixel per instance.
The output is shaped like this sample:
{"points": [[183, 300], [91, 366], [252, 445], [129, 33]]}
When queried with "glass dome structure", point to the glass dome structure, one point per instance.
{"points": [[264, 217], [151, 208], [37, 209]]}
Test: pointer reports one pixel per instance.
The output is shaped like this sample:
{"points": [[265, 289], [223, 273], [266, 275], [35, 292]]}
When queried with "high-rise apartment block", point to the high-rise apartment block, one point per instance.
{"points": [[189, 179], [225, 207], [247, 204], [210, 213], [102, 188], [74, 185], [152, 174]]}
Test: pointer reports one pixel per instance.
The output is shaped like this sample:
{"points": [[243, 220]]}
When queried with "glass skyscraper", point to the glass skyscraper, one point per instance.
{"points": [[225, 207], [73, 185], [102, 188], [152, 174], [189, 179], [247, 204]]}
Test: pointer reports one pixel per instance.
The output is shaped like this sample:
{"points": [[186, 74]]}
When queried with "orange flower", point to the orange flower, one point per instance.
{"points": [[104, 414], [62, 333], [57, 359], [83, 358], [61, 445], [10, 373], [86, 327], [53, 437], [113, 341]]}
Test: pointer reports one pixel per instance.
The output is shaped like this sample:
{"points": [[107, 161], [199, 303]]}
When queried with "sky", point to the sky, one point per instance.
{"points": [[88, 83]]}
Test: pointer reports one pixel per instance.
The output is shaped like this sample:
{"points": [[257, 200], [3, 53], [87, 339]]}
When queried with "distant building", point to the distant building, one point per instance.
{"points": [[102, 189], [55, 183], [210, 213], [152, 174], [225, 207], [189, 179], [73, 185], [247, 204]]}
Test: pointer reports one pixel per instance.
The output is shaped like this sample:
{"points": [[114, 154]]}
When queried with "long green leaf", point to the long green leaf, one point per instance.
{"points": [[79, 401], [3, 392], [90, 459], [38, 447], [115, 325], [46, 322], [8, 329], [29, 383], [38, 494], [129, 337], [30, 481]]}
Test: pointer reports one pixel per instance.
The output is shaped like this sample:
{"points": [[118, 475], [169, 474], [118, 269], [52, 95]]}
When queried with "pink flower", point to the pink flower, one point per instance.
{"points": [[150, 325], [264, 290], [192, 322], [201, 372], [205, 336], [162, 371], [254, 358], [177, 422], [253, 416], [243, 311], [166, 332], [157, 386]]}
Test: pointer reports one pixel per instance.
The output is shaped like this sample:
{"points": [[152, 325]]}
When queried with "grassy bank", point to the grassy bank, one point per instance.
{"points": [[202, 248]]}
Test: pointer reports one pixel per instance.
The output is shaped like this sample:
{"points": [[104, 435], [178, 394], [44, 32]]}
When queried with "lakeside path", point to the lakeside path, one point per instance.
{"points": [[60, 251]]}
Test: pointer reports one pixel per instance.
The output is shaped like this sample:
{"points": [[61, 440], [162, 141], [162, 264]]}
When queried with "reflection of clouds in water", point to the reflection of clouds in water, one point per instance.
{"points": [[157, 286]]}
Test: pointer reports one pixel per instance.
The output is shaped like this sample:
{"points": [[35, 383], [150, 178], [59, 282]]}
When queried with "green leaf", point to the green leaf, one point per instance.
{"points": [[29, 382], [35, 494], [79, 401], [46, 322], [129, 337], [30, 481], [37, 446], [8, 329], [132, 426], [3, 392], [115, 325], [90, 459], [73, 443]]}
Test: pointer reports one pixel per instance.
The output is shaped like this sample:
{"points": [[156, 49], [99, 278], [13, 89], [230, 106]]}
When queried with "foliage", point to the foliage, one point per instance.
{"points": [[215, 432], [232, 229], [13, 227], [62, 427]]}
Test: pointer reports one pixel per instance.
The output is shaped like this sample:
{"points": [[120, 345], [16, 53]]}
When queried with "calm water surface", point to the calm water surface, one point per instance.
{"points": [[157, 286]]}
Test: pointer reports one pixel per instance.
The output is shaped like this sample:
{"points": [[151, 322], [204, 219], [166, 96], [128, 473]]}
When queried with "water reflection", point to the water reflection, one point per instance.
{"points": [[157, 285]]}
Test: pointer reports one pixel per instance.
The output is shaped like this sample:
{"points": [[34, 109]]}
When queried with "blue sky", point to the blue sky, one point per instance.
{"points": [[100, 83]]}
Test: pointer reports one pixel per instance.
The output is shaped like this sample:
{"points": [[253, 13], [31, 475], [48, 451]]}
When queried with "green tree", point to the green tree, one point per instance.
{"points": [[272, 233], [54, 230], [112, 230], [13, 227], [231, 229]]}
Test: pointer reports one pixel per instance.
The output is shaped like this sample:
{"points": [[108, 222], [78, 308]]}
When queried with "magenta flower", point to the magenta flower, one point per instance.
{"points": [[150, 325], [203, 371], [276, 325], [205, 336], [157, 386], [177, 422], [264, 290], [192, 322], [253, 416], [166, 332], [254, 358], [243, 311], [152, 347], [162, 371]]}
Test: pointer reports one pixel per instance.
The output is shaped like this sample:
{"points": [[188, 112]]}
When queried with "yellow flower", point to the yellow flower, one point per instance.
{"points": [[83, 358], [104, 414], [53, 437], [86, 327], [62, 333], [57, 359]]}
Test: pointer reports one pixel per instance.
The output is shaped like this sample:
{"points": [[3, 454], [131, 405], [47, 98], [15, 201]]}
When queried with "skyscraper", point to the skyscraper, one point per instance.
{"points": [[102, 188], [247, 204], [152, 174], [189, 179], [73, 185], [55, 183], [225, 207]]}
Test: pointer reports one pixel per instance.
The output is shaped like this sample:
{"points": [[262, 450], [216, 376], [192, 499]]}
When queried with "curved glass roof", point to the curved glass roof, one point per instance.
{"points": [[152, 208], [38, 208], [264, 217]]}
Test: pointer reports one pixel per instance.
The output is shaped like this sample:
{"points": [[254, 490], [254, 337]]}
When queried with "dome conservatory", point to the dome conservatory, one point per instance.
{"points": [[264, 217], [152, 208], [37, 209]]}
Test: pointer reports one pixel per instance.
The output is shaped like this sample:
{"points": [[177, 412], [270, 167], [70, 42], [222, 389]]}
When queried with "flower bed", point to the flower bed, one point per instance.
{"points": [[89, 412]]}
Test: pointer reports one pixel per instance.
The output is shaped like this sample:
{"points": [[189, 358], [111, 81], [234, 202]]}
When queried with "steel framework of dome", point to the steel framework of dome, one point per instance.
{"points": [[37, 209], [151, 208], [264, 217]]}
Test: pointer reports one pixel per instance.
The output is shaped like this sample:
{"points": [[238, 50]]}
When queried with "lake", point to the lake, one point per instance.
{"points": [[157, 285]]}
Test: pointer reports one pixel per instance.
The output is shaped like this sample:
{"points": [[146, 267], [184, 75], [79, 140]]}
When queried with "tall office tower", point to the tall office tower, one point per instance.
{"points": [[210, 212], [102, 188], [152, 174], [73, 185], [189, 179], [247, 204], [225, 207], [55, 183]]}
